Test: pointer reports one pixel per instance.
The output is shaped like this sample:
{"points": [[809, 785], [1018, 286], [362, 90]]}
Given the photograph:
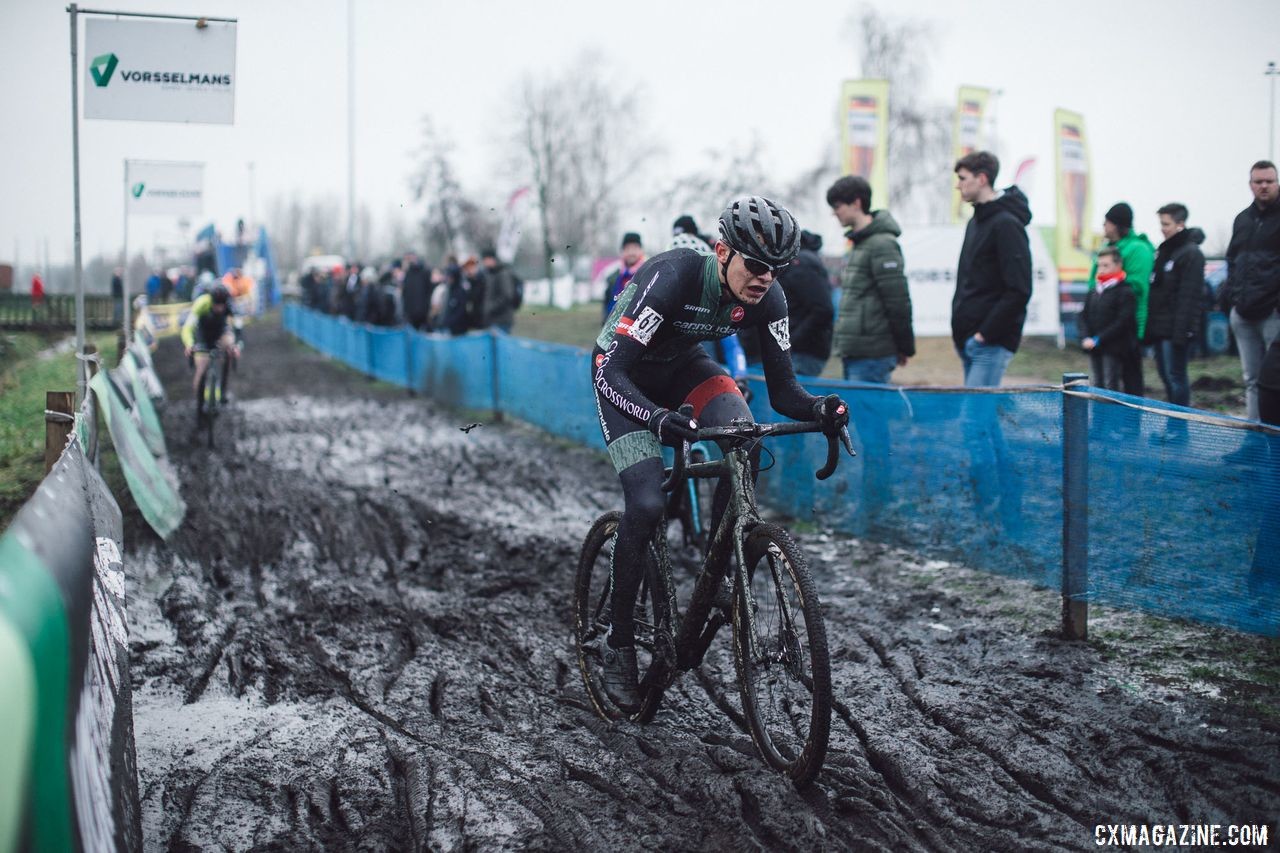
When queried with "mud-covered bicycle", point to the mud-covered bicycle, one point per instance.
{"points": [[210, 392], [779, 640]]}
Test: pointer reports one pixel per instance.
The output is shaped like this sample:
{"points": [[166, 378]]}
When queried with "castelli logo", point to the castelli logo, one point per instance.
{"points": [[737, 313], [599, 359]]}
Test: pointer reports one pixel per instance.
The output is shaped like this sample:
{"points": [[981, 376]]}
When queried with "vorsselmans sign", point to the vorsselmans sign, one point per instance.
{"points": [[160, 71]]}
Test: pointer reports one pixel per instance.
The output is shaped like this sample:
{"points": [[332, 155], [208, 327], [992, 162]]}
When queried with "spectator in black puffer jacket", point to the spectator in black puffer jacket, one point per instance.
{"points": [[808, 290], [1175, 300]]}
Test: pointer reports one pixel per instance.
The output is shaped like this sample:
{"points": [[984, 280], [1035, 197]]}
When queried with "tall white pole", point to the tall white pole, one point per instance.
{"points": [[81, 372], [1271, 72], [351, 131], [127, 322]]}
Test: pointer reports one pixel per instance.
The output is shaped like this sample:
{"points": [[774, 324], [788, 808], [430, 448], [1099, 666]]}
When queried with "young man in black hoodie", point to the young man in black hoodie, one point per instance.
{"points": [[993, 281], [1175, 300]]}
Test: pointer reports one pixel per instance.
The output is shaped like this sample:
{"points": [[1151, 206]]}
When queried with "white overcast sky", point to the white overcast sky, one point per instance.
{"points": [[1173, 93]]}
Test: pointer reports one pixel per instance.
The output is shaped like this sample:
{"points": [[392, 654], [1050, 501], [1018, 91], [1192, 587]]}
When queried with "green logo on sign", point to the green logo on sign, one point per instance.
{"points": [[103, 67], [137, 190]]}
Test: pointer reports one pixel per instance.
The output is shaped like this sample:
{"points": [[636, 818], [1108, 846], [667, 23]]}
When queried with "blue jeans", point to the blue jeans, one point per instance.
{"points": [[1171, 362], [807, 365], [984, 364], [875, 370]]}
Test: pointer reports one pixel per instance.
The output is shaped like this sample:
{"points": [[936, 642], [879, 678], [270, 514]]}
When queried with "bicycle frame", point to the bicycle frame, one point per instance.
{"points": [[694, 631]]}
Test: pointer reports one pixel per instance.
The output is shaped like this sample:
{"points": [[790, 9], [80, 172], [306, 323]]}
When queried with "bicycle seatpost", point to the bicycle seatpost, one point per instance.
{"points": [[681, 452]]}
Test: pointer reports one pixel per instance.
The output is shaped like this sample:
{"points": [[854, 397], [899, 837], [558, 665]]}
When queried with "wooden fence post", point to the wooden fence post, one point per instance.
{"points": [[59, 407]]}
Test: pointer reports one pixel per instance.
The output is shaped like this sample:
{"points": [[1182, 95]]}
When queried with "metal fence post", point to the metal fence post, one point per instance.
{"points": [[494, 376], [1075, 511]]}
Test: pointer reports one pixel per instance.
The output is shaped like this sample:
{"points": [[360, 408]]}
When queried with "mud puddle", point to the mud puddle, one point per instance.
{"points": [[361, 639]]}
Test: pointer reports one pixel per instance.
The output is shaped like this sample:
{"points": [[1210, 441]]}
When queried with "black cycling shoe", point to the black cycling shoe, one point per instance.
{"points": [[621, 679]]}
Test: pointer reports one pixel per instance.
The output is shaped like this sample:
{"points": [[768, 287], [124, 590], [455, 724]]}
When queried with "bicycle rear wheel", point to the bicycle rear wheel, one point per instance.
{"points": [[780, 652], [592, 616], [206, 407]]}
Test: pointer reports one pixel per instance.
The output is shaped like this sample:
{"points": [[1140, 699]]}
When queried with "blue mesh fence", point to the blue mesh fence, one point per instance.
{"points": [[1182, 508]]}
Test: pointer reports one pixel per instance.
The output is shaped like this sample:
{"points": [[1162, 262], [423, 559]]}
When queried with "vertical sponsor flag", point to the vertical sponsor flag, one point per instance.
{"points": [[1074, 198], [966, 137], [160, 70], [864, 135], [175, 189]]}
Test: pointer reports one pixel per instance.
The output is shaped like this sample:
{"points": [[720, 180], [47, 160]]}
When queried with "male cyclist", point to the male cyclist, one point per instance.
{"points": [[210, 325], [648, 361]]}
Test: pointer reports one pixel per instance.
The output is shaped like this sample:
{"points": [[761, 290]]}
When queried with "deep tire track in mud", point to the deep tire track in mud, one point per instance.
{"points": [[360, 637]]}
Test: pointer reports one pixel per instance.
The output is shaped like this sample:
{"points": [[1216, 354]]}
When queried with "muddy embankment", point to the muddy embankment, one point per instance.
{"points": [[360, 638]]}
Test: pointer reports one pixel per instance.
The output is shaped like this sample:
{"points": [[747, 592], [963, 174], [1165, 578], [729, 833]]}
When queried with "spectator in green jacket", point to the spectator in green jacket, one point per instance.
{"points": [[1139, 256], [873, 332]]}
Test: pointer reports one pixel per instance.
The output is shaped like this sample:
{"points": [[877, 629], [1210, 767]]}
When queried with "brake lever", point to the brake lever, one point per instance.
{"points": [[847, 441]]}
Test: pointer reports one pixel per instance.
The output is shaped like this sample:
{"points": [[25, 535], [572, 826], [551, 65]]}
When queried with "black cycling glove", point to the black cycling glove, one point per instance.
{"points": [[671, 428], [832, 413]]}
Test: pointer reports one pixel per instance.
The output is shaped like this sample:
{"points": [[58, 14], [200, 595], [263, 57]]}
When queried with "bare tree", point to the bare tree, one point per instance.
{"points": [[919, 131], [579, 152], [284, 224], [321, 230], [435, 182]]}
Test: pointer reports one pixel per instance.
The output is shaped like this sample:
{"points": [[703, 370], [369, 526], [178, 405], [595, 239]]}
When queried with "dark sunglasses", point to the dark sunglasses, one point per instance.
{"points": [[759, 268]]}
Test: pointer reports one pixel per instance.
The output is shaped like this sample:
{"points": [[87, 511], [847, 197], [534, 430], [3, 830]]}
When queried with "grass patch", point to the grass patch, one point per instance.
{"points": [[24, 378]]}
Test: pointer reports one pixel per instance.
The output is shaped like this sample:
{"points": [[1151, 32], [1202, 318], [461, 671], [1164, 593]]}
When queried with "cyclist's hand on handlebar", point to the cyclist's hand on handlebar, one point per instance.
{"points": [[832, 413], [671, 428]]}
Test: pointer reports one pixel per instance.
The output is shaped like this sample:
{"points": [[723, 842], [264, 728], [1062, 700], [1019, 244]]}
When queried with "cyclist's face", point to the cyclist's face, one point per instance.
{"points": [[742, 283]]}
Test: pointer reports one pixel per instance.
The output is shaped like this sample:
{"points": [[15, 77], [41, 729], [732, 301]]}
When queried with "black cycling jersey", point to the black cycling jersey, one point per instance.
{"points": [[674, 302]]}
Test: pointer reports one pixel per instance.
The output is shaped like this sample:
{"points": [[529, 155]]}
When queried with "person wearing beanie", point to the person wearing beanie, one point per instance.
{"points": [[631, 259], [1138, 256]]}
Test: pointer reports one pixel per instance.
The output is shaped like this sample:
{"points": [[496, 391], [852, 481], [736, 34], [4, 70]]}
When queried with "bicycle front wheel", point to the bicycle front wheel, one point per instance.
{"points": [[592, 616], [780, 652]]}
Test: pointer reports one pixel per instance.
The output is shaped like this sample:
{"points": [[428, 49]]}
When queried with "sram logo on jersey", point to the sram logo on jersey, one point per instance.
{"points": [[781, 332], [641, 329]]}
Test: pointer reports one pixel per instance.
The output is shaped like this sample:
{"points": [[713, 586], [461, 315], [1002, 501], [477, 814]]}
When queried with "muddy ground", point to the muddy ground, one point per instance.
{"points": [[360, 639]]}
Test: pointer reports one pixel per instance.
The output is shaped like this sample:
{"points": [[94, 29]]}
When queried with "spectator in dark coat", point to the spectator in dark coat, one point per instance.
{"points": [[1108, 323], [457, 315], [416, 297], [500, 287], [808, 290], [1252, 289], [1175, 300], [993, 278]]}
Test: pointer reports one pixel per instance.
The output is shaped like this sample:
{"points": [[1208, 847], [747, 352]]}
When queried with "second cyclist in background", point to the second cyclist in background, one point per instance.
{"points": [[211, 323]]}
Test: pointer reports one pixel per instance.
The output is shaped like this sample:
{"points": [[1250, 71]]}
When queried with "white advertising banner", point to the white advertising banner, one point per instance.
{"points": [[931, 254], [160, 70], [175, 189]]}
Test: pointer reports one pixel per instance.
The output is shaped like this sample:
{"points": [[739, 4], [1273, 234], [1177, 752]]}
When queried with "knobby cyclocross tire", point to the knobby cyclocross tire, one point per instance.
{"points": [[785, 674], [207, 407], [591, 617]]}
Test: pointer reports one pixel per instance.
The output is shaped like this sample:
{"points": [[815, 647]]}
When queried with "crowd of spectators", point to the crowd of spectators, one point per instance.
{"points": [[454, 298]]}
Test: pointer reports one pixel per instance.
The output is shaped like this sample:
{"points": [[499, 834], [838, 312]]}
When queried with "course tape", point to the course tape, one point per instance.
{"points": [[1183, 506], [68, 775]]}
